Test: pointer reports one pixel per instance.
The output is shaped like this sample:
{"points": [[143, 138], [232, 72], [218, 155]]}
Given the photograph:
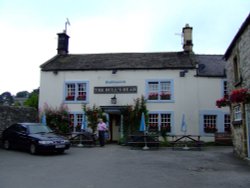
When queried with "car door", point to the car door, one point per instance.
{"points": [[22, 137], [11, 136]]}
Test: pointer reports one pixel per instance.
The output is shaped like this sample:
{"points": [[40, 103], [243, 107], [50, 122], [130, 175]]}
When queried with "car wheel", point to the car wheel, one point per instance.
{"points": [[6, 144], [33, 149]]}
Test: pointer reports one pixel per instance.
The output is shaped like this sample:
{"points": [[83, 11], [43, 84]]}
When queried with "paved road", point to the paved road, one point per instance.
{"points": [[120, 167]]}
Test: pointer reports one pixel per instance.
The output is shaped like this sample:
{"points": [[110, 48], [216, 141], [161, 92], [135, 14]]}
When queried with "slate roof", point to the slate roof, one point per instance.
{"points": [[237, 36], [121, 61], [210, 65]]}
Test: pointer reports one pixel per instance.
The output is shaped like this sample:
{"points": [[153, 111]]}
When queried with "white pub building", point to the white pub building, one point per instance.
{"points": [[174, 83]]}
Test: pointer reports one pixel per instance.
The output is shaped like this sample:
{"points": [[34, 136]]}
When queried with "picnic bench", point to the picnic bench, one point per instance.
{"points": [[223, 139], [141, 140], [186, 142], [82, 138]]}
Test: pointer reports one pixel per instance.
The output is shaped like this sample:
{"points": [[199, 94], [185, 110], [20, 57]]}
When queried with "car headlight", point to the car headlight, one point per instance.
{"points": [[66, 141], [45, 142]]}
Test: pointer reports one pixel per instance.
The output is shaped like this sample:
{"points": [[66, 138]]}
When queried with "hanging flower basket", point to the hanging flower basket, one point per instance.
{"points": [[223, 102], [240, 95], [237, 96]]}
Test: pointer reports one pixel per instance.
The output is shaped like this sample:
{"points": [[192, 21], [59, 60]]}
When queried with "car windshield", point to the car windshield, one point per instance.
{"points": [[33, 129]]}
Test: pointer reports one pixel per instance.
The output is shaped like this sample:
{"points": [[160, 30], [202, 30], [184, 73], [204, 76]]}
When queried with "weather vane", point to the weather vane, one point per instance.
{"points": [[66, 23]]}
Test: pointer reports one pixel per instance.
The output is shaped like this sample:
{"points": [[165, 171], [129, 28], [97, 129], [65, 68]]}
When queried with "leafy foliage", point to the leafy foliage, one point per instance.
{"points": [[23, 94], [57, 118], [94, 114], [6, 98], [33, 99]]}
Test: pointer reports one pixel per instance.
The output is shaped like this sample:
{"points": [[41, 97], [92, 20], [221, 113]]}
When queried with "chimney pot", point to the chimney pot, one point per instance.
{"points": [[187, 39]]}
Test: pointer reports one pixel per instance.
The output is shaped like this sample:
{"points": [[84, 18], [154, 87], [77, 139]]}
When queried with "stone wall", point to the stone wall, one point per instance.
{"points": [[241, 50], [10, 115]]}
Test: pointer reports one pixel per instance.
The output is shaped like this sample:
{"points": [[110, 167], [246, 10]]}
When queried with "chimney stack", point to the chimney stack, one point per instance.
{"points": [[63, 43], [187, 39]]}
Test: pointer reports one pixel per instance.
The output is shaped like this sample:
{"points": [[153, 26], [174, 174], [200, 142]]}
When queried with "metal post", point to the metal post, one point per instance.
{"points": [[145, 141], [80, 143]]}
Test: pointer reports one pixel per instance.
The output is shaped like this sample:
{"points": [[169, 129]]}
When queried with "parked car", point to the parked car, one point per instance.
{"points": [[34, 137]]}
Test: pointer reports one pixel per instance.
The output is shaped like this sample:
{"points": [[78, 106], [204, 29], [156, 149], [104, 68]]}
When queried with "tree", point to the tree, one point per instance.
{"points": [[32, 101], [23, 94], [6, 98]]}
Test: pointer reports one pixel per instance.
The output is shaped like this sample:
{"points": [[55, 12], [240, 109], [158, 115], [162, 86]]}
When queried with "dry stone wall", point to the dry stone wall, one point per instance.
{"points": [[10, 115]]}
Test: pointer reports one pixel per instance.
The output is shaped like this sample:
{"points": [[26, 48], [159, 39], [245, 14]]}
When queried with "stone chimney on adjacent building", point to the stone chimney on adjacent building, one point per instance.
{"points": [[63, 43], [187, 39]]}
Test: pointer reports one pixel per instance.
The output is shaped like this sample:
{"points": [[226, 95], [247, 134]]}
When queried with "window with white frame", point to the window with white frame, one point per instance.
{"points": [[76, 91], [160, 121], [75, 122], [227, 123], [166, 122], [237, 113], [159, 90], [225, 88], [210, 123], [153, 122]]}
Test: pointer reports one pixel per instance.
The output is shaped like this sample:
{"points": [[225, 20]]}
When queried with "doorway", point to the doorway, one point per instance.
{"points": [[114, 127]]}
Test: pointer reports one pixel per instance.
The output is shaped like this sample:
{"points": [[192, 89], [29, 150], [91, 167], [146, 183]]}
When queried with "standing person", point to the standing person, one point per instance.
{"points": [[101, 127]]}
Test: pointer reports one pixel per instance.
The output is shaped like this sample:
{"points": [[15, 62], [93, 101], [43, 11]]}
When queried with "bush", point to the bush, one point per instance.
{"points": [[57, 118]]}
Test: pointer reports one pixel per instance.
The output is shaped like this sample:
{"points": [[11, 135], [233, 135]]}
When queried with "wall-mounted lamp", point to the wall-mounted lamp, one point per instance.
{"points": [[114, 71], [55, 72], [113, 100]]}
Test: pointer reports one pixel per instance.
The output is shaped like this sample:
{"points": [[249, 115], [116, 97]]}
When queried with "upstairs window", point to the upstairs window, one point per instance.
{"points": [[236, 69], [159, 90], [76, 91], [225, 88]]}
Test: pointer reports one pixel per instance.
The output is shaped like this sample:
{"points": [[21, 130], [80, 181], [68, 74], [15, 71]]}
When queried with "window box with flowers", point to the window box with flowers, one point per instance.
{"points": [[81, 97], [166, 128], [210, 129], [153, 96], [165, 96], [70, 98]]}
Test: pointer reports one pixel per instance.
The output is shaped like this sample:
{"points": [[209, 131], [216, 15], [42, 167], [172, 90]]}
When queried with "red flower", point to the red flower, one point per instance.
{"points": [[165, 95], [70, 98], [239, 95], [223, 102], [81, 97], [153, 96]]}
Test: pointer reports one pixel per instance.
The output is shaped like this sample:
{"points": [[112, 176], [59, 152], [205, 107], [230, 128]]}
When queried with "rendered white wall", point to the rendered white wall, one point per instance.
{"points": [[191, 94]]}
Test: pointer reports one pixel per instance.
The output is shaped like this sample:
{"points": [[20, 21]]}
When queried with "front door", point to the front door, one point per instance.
{"points": [[247, 111], [114, 127]]}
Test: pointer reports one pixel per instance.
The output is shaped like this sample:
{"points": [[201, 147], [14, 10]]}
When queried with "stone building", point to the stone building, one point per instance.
{"points": [[238, 75]]}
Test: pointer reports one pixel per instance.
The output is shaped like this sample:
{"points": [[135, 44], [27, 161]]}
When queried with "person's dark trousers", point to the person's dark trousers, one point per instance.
{"points": [[102, 138]]}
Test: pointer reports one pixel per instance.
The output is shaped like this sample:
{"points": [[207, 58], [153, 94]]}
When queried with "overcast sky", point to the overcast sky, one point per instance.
{"points": [[29, 30]]}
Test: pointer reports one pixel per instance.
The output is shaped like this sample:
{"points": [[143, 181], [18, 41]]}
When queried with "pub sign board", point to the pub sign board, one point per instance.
{"points": [[115, 89]]}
